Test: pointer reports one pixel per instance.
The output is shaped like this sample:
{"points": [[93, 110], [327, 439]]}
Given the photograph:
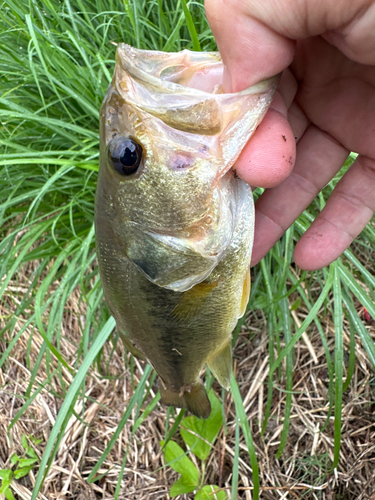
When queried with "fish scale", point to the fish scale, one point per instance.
{"points": [[174, 228]]}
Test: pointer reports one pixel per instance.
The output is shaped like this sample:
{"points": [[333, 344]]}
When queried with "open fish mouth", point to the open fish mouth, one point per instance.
{"points": [[184, 90]]}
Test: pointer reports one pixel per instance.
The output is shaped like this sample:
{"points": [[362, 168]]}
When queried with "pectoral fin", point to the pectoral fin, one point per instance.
{"points": [[245, 293], [221, 365], [192, 301], [193, 397]]}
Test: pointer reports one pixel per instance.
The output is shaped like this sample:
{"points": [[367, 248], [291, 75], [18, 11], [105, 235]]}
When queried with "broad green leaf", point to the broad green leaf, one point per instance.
{"points": [[26, 462], [9, 495], [198, 433], [177, 459], [182, 486], [31, 453], [210, 492], [6, 476], [24, 441], [35, 440], [22, 472]]}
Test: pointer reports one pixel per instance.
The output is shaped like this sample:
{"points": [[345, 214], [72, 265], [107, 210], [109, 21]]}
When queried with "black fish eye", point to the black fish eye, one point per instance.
{"points": [[125, 155]]}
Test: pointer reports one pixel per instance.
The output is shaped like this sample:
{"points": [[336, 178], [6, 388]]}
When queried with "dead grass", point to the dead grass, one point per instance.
{"points": [[303, 471]]}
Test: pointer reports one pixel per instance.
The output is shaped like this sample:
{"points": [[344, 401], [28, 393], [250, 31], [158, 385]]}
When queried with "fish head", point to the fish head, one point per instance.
{"points": [[169, 137]]}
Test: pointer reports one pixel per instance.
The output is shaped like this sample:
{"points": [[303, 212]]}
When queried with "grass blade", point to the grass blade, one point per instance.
{"points": [[339, 360], [57, 432], [135, 400], [284, 304], [241, 415], [191, 27]]}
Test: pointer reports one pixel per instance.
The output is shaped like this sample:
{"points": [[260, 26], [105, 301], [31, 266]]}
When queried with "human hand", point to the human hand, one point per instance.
{"points": [[325, 103]]}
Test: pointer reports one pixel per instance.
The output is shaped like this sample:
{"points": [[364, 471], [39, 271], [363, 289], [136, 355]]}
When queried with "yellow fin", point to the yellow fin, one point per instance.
{"points": [[245, 293], [193, 397], [192, 300], [221, 364]]}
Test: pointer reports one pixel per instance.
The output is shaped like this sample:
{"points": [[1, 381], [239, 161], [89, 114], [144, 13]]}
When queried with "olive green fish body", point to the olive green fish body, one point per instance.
{"points": [[175, 227], [178, 332]]}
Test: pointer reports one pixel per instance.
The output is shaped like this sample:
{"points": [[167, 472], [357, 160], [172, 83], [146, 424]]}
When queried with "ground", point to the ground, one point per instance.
{"points": [[302, 471]]}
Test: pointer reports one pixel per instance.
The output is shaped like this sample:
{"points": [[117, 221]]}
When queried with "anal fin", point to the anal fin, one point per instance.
{"points": [[193, 397], [221, 364]]}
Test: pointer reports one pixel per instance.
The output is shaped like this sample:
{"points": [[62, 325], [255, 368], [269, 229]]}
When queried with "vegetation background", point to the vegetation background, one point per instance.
{"points": [[79, 417]]}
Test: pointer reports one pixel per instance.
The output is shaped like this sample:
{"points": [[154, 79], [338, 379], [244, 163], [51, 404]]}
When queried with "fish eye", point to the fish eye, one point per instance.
{"points": [[125, 155]]}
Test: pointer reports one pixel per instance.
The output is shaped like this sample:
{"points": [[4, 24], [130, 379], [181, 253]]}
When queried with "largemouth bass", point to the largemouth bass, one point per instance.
{"points": [[174, 224]]}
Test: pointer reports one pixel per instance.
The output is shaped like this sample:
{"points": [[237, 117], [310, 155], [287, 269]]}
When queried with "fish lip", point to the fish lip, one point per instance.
{"points": [[129, 59]]}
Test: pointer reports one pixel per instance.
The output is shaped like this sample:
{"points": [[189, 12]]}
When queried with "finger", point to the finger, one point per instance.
{"points": [[257, 51], [264, 33], [356, 39], [287, 87], [297, 120], [336, 94], [348, 210], [269, 156], [319, 158]]}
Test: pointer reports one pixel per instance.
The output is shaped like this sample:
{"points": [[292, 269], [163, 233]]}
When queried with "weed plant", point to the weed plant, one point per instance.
{"points": [[56, 61]]}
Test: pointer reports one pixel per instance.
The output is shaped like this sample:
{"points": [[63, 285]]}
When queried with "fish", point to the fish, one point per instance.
{"points": [[174, 223]]}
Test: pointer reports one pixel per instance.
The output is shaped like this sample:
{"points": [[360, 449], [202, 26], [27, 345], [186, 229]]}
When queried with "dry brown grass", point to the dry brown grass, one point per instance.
{"points": [[301, 472]]}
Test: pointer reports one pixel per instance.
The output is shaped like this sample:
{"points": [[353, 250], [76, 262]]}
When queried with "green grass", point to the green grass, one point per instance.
{"points": [[56, 61]]}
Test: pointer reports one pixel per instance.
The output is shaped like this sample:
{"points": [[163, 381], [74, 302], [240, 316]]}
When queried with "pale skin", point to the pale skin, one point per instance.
{"points": [[324, 108]]}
